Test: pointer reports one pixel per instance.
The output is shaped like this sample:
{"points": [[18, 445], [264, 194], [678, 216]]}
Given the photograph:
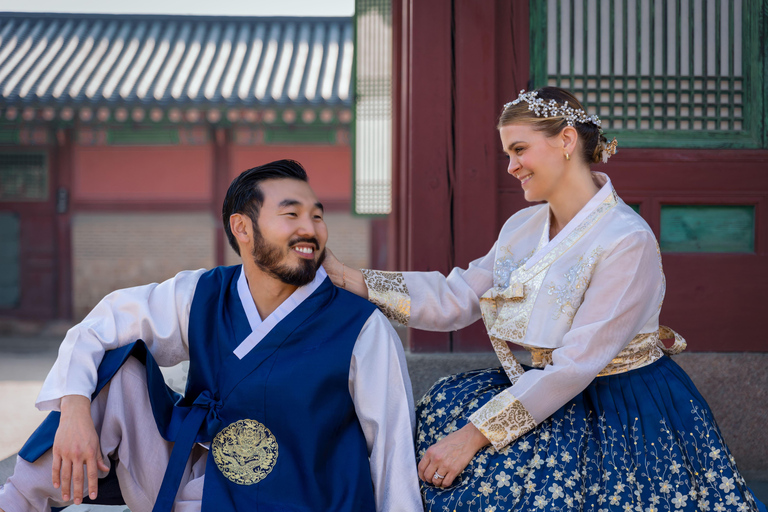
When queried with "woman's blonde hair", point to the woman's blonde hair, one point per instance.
{"points": [[592, 141]]}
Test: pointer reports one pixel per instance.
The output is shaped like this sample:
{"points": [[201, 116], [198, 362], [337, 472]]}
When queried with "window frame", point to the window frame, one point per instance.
{"points": [[755, 75]]}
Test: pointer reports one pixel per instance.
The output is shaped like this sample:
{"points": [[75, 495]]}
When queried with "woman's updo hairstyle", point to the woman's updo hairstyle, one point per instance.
{"points": [[594, 146]]}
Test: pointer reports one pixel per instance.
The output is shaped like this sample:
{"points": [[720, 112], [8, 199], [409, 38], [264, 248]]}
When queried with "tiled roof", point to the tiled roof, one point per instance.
{"points": [[92, 60]]}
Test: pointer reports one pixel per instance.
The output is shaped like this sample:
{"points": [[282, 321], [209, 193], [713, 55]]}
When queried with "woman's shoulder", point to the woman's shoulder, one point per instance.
{"points": [[629, 219], [625, 226]]}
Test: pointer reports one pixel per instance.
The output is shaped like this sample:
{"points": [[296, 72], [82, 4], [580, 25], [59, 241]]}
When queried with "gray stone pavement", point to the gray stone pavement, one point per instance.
{"points": [[734, 384]]}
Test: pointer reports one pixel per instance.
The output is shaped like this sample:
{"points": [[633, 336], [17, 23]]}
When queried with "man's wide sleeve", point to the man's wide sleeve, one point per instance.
{"points": [[155, 313], [381, 390]]}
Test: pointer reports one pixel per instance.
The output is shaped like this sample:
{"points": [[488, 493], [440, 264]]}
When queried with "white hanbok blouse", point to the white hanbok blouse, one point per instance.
{"points": [[576, 302]]}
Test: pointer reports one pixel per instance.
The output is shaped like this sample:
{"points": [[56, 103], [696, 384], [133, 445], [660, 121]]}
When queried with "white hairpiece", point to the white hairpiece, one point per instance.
{"points": [[572, 115], [552, 108]]}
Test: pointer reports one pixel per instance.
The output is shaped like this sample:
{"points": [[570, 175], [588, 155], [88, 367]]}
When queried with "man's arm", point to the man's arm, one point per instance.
{"points": [[381, 390], [155, 313]]}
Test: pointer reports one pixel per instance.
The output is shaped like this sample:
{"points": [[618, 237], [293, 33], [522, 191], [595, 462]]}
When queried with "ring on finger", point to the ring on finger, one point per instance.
{"points": [[437, 475]]}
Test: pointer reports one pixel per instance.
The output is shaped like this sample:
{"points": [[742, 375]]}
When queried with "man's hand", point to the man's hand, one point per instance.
{"points": [[76, 445], [447, 458]]}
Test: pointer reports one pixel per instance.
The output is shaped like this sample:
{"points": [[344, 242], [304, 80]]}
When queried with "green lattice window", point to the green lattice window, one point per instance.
{"points": [[660, 73], [23, 177]]}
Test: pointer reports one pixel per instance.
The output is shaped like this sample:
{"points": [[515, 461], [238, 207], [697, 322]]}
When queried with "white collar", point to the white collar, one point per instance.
{"points": [[602, 194], [260, 328]]}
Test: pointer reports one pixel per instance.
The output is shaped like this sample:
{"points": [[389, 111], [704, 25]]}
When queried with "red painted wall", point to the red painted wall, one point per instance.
{"points": [[329, 168], [168, 173]]}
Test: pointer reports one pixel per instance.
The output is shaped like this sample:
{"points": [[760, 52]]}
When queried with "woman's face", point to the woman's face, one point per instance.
{"points": [[536, 160]]}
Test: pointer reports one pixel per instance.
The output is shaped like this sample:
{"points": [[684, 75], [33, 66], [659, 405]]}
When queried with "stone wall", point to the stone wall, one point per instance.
{"points": [[119, 250]]}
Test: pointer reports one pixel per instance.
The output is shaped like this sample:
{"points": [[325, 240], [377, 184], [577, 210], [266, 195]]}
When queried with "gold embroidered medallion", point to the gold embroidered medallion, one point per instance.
{"points": [[245, 452]]}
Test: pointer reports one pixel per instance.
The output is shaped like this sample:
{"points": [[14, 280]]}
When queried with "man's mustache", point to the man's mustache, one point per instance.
{"points": [[310, 240]]}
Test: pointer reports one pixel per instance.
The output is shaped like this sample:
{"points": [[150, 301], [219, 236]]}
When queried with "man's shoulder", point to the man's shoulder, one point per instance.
{"points": [[354, 300]]}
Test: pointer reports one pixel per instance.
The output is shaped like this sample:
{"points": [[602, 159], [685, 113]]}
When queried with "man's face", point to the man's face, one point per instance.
{"points": [[290, 235]]}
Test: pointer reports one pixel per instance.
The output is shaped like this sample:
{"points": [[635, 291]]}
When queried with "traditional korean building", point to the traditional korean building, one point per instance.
{"points": [[120, 134], [681, 84]]}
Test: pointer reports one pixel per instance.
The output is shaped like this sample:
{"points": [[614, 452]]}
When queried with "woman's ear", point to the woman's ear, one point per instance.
{"points": [[570, 139]]}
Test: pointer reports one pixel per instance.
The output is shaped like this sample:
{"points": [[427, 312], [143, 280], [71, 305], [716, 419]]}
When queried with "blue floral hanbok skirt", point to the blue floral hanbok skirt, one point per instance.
{"points": [[640, 441]]}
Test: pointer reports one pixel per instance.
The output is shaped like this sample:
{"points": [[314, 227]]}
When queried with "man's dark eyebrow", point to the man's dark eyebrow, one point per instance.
{"points": [[288, 202], [294, 202]]}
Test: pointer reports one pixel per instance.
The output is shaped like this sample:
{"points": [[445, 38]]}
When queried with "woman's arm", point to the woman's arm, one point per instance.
{"points": [[424, 300], [625, 292]]}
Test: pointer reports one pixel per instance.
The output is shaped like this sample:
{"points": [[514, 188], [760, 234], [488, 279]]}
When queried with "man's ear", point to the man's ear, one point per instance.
{"points": [[241, 227]]}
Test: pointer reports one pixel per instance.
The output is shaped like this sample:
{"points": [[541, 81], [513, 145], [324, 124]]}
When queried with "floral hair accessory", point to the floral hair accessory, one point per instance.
{"points": [[552, 108], [572, 115], [608, 149]]}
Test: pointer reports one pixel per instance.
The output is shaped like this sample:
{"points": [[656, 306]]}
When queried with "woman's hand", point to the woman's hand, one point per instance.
{"points": [[447, 458], [351, 279]]}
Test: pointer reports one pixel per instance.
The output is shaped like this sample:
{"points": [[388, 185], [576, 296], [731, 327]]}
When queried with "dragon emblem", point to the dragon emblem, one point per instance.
{"points": [[245, 452]]}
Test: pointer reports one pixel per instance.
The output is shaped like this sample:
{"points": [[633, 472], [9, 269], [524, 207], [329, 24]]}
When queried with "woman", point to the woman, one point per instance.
{"points": [[604, 420]]}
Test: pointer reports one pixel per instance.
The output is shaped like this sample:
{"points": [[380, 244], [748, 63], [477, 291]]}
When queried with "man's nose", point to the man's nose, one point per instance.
{"points": [[306, 227]]}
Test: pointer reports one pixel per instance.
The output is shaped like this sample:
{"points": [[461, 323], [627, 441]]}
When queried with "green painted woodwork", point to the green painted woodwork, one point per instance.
{"points": [[325, 136], [10, 289], [9, 135], [708, 228], [23, 177], [715, 106], [143, 137]]}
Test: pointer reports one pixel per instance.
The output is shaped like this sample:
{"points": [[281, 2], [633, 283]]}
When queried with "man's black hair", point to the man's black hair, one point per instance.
{"points": [[246, 197]]}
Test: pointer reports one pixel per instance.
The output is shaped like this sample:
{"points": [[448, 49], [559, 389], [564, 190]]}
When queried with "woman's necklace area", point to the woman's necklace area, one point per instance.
{"points": [[554, 228]]}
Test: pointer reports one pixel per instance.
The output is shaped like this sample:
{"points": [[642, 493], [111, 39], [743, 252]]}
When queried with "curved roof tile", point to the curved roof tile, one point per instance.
{"points": [[59, 59]]}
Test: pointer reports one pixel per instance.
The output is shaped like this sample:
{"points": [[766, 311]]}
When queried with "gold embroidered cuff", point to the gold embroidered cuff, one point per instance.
{"points": [[388, 291], [502, 420]]}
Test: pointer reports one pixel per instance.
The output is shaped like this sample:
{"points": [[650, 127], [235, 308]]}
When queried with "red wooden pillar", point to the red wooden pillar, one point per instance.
{"points": [[61, 172], [476, 146], [219, 185], [425, 142], [456, 64]]}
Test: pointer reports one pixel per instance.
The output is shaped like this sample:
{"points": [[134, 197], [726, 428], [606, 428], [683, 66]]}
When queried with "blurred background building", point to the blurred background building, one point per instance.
{"points": [[119, 135]]}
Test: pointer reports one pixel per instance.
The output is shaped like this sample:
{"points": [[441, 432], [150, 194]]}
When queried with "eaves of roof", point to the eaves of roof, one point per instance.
{"points": [[161, 61]]}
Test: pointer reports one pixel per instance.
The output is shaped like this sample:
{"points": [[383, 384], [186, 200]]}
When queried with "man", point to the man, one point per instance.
{"points": [[298, 397]]}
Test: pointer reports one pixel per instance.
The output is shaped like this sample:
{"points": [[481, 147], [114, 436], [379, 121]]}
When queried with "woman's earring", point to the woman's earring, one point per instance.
{"points": [[567, 156]]}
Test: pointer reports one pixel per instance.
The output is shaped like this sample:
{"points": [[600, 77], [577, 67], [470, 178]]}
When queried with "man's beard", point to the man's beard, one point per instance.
{"points": [[268, 256]]}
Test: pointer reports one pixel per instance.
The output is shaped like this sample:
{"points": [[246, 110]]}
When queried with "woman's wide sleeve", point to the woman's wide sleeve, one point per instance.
{"points": [[430, 300], [625, 292]]}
